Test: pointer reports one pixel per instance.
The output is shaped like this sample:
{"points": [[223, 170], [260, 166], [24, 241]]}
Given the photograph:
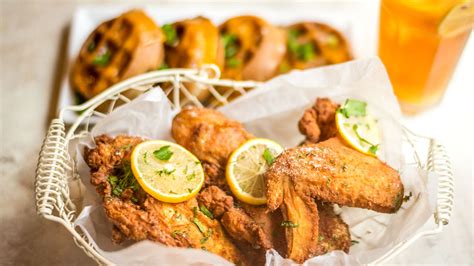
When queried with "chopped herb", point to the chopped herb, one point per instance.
{"points": [[145, 157], [197, 162], [185, 170], [191, 176], [195, 211], [344, 168], [206, 237], [170, 34], [289, 224], [305, 52], [172, 192], [353, 108], [206, 211], [230, 45], [328, 181], [284, 67], [91, 46], [199, 225], [176, 233], [126, 147], [332, 41], [321, 238], [163, 154], [102, 59], [163, 66], [292, 42], [373, 148], [204, 248], [233, 63], [190, 190], [353, 242], [123, 180], [408, 197], [268, 156], [165, 171], [134, 200]]}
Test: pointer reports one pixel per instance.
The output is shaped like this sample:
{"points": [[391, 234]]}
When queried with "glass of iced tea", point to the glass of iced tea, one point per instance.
{"points": [[420, 42]]}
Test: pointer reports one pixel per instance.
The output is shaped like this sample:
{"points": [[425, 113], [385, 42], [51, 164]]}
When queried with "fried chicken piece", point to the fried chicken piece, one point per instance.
{"points": [[235, 220], [330, 172], [319, 121], [333, 231], [138, 216], [210, 136]]}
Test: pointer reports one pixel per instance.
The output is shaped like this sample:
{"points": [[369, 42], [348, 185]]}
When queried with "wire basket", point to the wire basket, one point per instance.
{"points": [[56, 170]]}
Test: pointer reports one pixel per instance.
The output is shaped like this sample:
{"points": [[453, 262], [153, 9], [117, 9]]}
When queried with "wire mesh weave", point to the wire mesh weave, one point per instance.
{"points": [[56, 169]]}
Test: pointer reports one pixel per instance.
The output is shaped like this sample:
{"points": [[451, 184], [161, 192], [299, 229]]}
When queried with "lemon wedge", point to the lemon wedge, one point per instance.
{"points": [[166, 170], [460, 19], [246, 168], [357, 127]]}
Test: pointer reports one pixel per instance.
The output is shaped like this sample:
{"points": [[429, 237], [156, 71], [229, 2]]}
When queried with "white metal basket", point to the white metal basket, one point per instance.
{"points": [[56, 169]]}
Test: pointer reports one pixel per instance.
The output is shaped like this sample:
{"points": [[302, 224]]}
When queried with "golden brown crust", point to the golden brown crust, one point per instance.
{"points": [[138, 216], [318, 122], [333, 231], [125, 46], [261, 47], [327, 44], [210, 136]]}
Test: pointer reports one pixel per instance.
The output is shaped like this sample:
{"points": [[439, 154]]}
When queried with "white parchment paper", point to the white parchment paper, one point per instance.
{"points": [[273, 112]]}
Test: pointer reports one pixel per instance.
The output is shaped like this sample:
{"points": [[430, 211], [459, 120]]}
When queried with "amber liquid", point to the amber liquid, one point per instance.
{"points": [[419, 61]]}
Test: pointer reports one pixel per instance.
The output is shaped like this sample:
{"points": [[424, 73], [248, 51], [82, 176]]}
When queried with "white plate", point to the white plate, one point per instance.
{"points": [[357, 20]]}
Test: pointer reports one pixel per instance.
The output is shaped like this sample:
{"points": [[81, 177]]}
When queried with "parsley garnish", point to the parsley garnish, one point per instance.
{"points": [[199, 225], [170, 34], [191, 176], [123, 181], [206, 237], [91, 46], [176, 233], [206, 211], [102, 59], [165, 171], [268, 156], [353, 108], [163, 154], [289, 224], [408, 197], [233, 63], [304, 51], [145, 158], [230, 45], [163, 66], [373, 148], [321, 238]]}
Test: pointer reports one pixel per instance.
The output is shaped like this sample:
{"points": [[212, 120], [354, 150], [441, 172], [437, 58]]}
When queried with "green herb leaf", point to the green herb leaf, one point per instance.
{"points": [[145, 159], [113, 180], [353, 108], [102, 59], [292, 42], [305, 51], [228, 39], [321, 238], [289, 224], [230, 45], [373, 149], [170, 34], [163, 154], [191, 176], [163, 66], [353, 242], [233, 63], [372, 146], [408, 197], [199, 225], [207, 236], [91, 46], [206, 211], [268, 156], [176, 233]]}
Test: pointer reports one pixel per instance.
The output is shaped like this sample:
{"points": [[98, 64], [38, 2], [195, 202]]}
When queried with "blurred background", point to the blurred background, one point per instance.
{"points": [[428, 53]]}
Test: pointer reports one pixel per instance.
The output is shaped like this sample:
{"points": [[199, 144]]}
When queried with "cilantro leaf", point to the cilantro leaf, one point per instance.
{"points": [[102, 59], [268, 156], [199, 225], [289, 224], [170, 34], [163, 153], [353, 108]]}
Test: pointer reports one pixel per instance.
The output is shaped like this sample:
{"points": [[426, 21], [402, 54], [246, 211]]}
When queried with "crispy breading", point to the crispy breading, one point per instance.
{"points": [[333, 231], [331, 172], [138, 216], [318, 122], [210, 136], [235, 220]]}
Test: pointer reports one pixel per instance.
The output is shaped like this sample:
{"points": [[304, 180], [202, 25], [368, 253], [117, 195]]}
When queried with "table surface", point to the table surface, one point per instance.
{"points": [[33, 43]]}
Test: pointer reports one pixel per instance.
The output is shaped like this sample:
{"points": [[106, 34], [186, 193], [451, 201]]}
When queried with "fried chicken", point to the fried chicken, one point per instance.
{"points": [[330, 172], [138, 216], [210, 136], [333, 231], [318, 122]]}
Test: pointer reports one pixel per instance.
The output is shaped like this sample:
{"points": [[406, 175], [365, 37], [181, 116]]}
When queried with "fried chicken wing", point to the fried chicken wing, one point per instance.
{"points": [[210, 136], [330, 172], [333, 231], [138, 216], [318, 122]]}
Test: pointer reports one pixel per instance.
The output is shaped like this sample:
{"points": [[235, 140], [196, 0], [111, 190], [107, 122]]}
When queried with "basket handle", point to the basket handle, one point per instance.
{"points": [[440, 163], [50, 171]]}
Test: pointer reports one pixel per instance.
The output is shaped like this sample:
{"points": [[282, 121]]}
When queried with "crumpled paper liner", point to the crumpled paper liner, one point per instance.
{"points": [[272, 111]]}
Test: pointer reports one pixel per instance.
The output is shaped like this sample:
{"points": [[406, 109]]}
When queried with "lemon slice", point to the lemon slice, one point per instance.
{"points": [[358, 128], [460, 19], [166, 170], [246, 168]]}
